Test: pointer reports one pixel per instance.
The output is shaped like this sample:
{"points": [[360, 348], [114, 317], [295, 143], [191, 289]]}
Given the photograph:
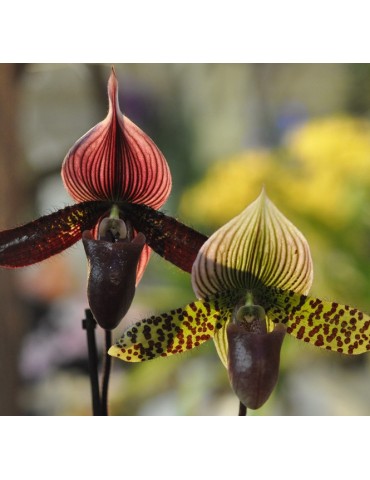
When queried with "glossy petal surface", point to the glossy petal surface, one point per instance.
{"points": [[173, 332], [253, 363], [116, 160], [49, 235], [259, 245], [112, 268]]}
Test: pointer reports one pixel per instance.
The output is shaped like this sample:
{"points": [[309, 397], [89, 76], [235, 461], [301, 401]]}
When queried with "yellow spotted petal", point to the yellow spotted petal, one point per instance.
{"points": [[173, 332], [258, 246], [329, 325]]}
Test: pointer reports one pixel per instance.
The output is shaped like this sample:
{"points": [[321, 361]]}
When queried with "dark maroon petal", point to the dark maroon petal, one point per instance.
{"points": [[253, 362], [168, 237], [111, 277], [116, 160], [48, 235], [146, 251]]}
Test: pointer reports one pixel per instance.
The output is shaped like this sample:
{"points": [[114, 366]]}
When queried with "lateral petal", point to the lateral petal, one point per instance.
{"points": [[48, 235], [173, 332], [328, 325], [168, 237]]}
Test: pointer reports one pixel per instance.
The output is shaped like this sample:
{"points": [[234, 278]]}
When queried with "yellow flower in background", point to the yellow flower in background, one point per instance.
{"points": [[332, 168], [227, 187], [322, 171], [342, 142]]}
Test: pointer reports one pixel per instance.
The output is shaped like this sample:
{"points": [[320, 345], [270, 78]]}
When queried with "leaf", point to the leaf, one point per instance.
{"points": [[328, 325], [173, 332], [49, 235]]}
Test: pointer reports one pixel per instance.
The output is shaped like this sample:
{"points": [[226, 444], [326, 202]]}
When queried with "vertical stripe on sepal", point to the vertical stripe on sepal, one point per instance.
{"points": [[259, 245], [116, 160]]}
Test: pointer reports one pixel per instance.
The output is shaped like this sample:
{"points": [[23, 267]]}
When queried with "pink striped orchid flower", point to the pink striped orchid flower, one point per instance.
{"points": [[119, 179]]}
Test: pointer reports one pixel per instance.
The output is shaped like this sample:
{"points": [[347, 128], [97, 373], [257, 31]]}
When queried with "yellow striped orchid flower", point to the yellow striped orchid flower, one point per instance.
{"points": [[251, 278]]}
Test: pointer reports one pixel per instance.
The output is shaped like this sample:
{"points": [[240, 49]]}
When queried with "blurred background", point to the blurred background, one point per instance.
{"points": [[226, 130]]}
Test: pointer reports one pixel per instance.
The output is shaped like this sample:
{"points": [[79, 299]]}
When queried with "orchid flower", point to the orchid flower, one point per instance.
{"points": [[119, 178], [252, 279]]}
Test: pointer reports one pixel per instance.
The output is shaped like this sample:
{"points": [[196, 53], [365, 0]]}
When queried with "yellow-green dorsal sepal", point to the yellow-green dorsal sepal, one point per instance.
{"points": [[259, 246], [176, 331], [328, 325]]}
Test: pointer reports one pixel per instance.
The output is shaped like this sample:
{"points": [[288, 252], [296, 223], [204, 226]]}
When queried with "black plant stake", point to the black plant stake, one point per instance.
{"points": [[99, 397], [107, 359], [89, 324]]}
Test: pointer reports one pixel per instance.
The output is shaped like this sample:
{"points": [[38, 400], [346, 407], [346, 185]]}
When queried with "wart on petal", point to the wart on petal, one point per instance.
{"points": [[116, 160], [258, 246]]}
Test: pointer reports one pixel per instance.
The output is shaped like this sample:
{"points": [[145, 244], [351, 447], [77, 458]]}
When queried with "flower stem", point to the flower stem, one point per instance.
{"points": [[89, 325], [242, 410], [106, 373]]}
